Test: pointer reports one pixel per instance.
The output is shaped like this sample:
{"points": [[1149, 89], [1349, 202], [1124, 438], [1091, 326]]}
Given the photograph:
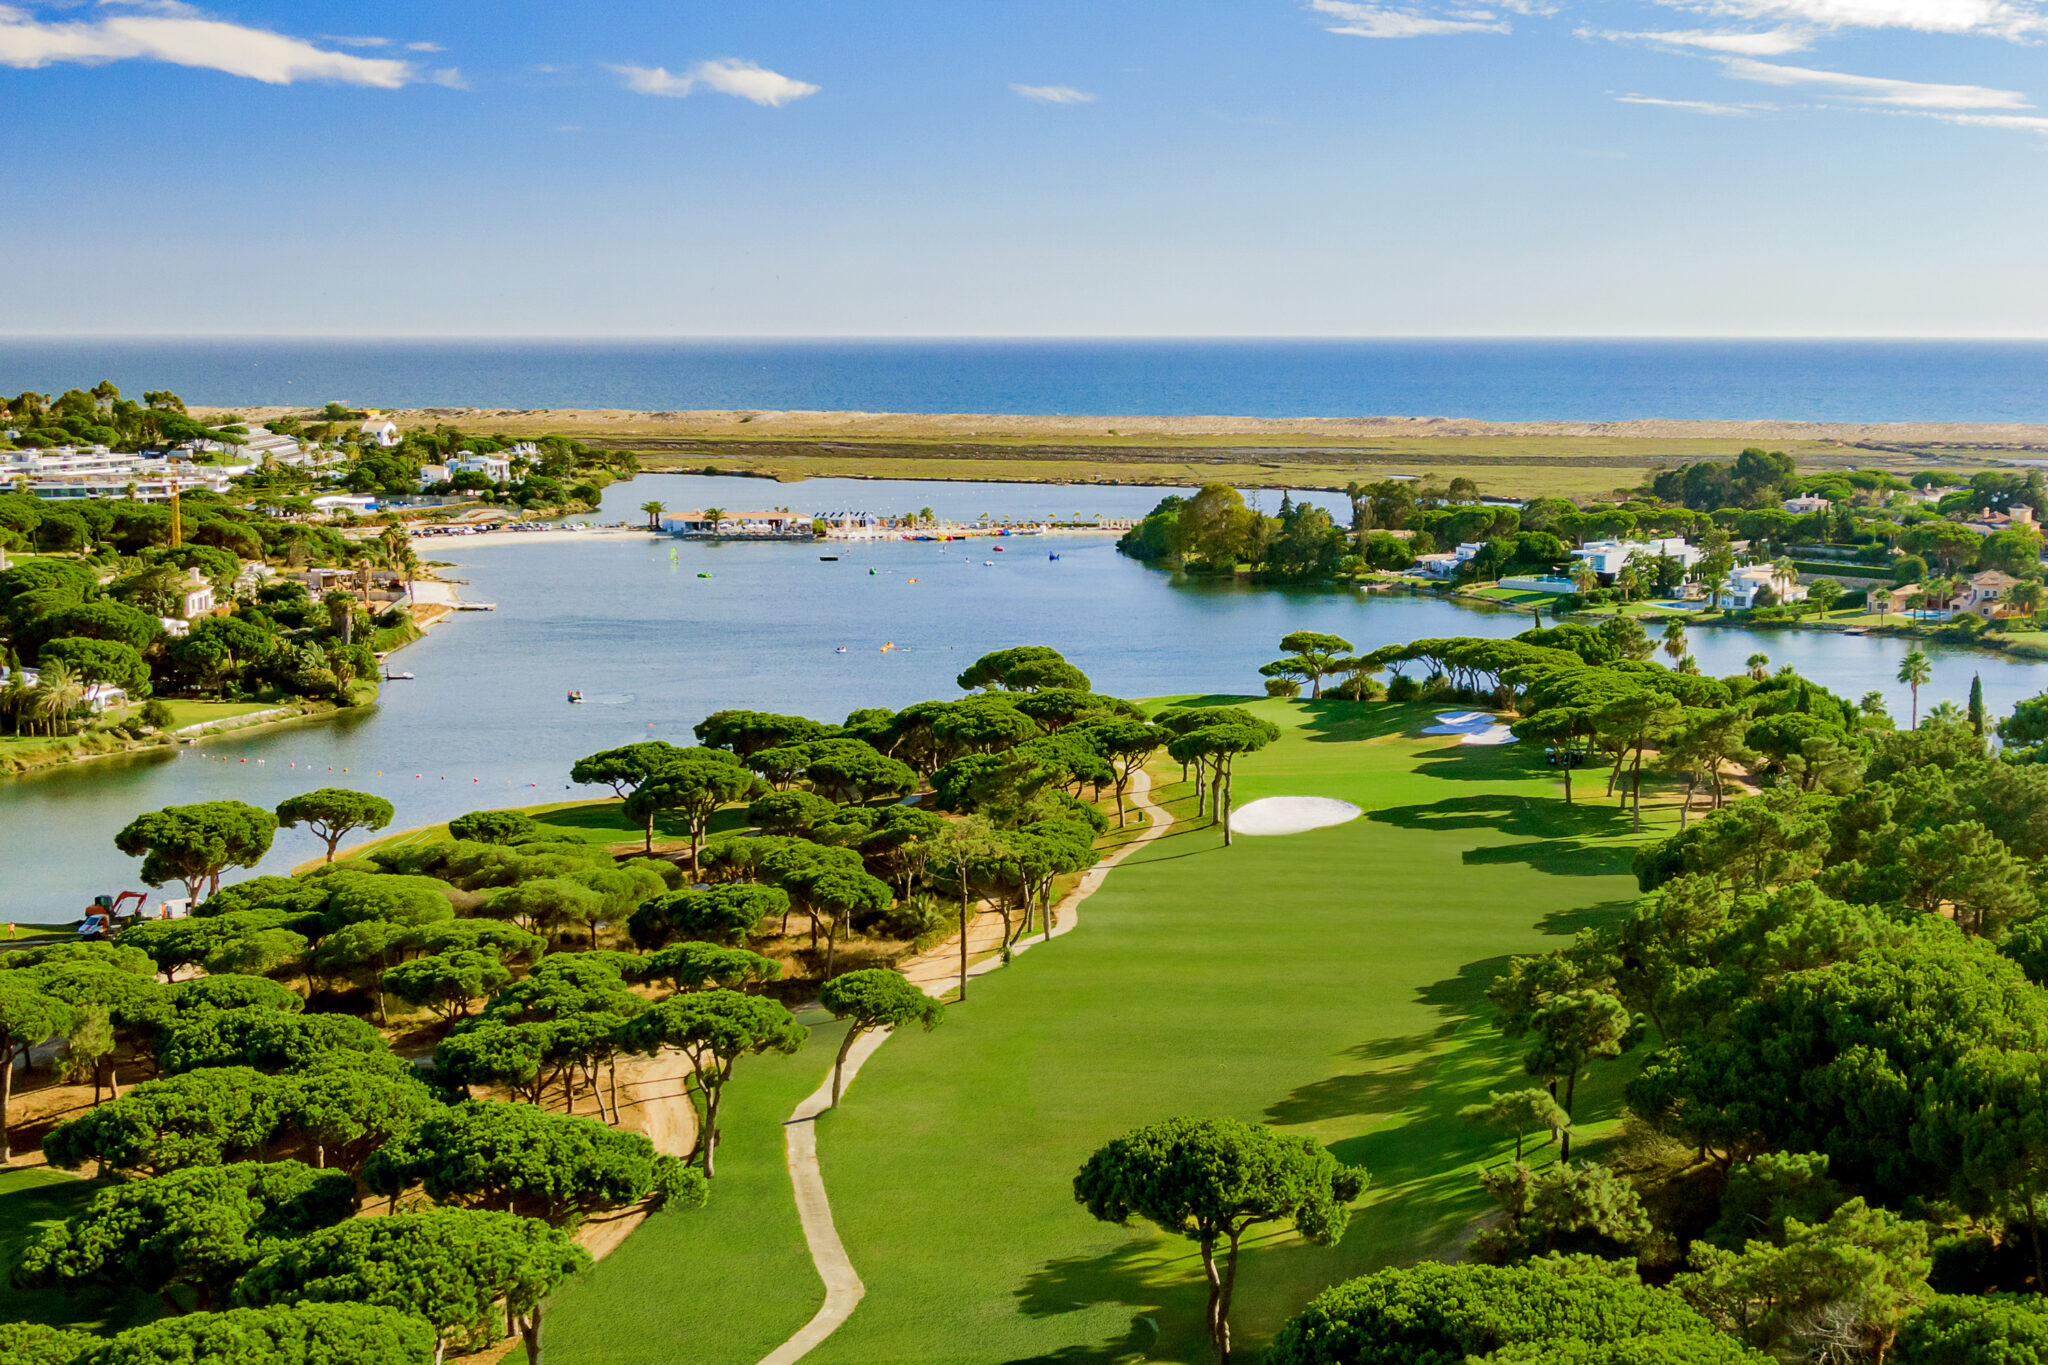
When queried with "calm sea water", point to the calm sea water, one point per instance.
{"points": [[1514, 380], [654, 647]]}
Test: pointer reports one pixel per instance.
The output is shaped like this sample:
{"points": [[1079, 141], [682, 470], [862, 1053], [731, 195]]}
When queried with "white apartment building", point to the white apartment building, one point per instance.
{"points": [[1609, 556]]}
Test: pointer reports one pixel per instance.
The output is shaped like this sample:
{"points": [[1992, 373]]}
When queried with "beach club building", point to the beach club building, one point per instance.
{"points": [[737, 523]]}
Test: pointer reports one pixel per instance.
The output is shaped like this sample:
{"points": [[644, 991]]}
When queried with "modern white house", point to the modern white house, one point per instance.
{"points": [[496, 468], [64, 472], [1445, 563], [1739, 591], [382, 431], [1805, 505], [1608, 557]]}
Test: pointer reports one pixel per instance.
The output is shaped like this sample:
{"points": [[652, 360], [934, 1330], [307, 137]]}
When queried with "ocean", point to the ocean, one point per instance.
{"points": [[1498, 380]]}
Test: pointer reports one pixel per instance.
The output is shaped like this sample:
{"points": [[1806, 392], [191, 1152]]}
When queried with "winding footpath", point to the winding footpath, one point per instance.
{"points": [[935, 973]]}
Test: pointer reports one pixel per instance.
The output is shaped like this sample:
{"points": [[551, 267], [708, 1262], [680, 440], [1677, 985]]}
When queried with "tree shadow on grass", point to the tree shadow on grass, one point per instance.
{"points": [[1351, 722], [1510, 813], [1128, 1276], [1558, 857]]}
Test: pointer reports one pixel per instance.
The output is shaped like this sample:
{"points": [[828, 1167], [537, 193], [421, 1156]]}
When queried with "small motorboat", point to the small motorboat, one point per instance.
{"points": [[840, 650], [828, 559], [398, 677], [999, 549], [1052, 556], [575, 697], [988, 563], [703, 575]]}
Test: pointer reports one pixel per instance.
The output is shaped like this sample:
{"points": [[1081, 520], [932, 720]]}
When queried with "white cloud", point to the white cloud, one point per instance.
{"points": [[1053, 94], [450, 77], [1380, 21], [1770, 43], [424, 47], [347, 40], [2016, 19], [176, 34], [2027, 123], [1696, 106], [727, 76], [1877, 89]]}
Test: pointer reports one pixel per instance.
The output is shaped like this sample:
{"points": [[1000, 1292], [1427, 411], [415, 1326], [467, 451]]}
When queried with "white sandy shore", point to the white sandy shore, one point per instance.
{"points": [[554, 535]]}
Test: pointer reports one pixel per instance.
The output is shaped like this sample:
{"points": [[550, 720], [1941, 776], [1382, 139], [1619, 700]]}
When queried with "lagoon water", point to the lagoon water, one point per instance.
{"points": [[654, 647], [1512, 379]]}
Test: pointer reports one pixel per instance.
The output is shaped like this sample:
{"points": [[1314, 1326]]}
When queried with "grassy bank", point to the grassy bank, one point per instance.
{"points": [[31, 753]]}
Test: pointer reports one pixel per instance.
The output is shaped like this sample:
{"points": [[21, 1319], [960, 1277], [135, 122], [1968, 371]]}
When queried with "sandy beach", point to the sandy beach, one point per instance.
{"points": [[551, 535]]}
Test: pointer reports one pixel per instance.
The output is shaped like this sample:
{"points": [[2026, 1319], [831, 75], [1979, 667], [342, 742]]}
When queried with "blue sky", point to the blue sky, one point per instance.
{"points": [[1117, 167]]}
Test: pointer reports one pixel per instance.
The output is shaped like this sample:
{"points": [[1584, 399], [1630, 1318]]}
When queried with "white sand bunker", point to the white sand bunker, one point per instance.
{"points": [[1476, 727], [1291, 815]]}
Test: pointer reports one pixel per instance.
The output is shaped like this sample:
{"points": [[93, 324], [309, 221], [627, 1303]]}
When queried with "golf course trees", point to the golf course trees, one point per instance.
{"points": [[28, 1014], [295, 1334], [697, 966], [693, 788], [516, 1157], [1989, 1125], [204, 1118], [365, 952], [446, 983], [982, 725], [965, 852], [749, 732], [545, 906], [515, 1056], [623, 769], [1127, 745], [1562, 730], [197, 1229], [714, 1029], [1311, 657], [1569, 1032], [494, 827], [853, 770], [874, 999], [1023, 668], [347, 1113], [728, 913], [1217, 745], [333, 813], [453, 1267], [1520, 1113], [1629, 724], [1434, 1312], [1210, 1180], [195, 844], [829, 885]]}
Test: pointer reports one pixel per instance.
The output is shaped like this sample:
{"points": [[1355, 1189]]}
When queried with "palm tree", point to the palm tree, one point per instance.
{"points": [[2025, 595], [1913, 671], [1674, 640], [1584, 577], [1627, 580], [716, 516], [654, 508], [1759, 665], [58, 693]]}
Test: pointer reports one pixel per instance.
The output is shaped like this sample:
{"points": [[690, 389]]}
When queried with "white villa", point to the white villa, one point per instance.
{"points": [[1802, 506], [382, 430], [1609, 556], [496, 468], [1445, 564], [1739, 591]]}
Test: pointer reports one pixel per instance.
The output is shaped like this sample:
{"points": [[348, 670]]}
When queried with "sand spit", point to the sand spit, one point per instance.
{"points": [[860, 426]]}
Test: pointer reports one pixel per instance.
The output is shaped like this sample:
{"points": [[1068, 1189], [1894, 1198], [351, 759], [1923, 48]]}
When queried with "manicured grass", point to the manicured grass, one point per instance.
{"points": [[30, 1198], [1328, 983], [729, 1281], [184, 713]]}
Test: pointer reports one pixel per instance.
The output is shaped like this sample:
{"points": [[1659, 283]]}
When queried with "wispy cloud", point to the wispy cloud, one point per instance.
{"points": [[1053, 94], [424, 47], [2016, 19], [2026, 123], [726, 76], [1876, 89], [182, 36], [1775, 42], [1357, 20], [1696, 106]]}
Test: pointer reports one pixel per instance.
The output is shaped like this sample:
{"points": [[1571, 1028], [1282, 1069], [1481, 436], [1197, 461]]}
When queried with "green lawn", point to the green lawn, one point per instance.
{"points": [[729, 1281], [30, 1197], [1327, 983]]}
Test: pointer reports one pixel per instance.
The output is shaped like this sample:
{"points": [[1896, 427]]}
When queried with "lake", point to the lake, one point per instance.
{"points": [[654, 647]]}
